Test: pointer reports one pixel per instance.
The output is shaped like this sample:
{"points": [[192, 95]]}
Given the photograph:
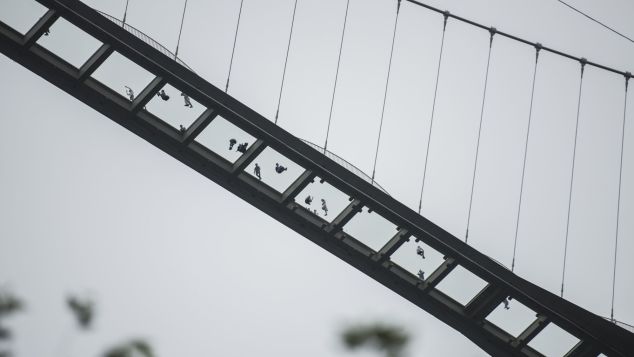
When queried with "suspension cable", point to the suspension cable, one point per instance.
{"points": [[572, 176], [181, 30], [538, 47], [288, 48], [125, 13], [492, 32], [387, 82], [233, 50], [618, 202], [334, 87], [433, 109]]}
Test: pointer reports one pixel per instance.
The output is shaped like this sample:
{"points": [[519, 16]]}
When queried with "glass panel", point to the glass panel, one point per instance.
{"points": [[21, 14], [122, 75], [69, 42], [225, 139], [553, 341], [174, 108], [461, 285], [514, 318], [274, 169], [413, 259], [311, 198], [371, 229]]}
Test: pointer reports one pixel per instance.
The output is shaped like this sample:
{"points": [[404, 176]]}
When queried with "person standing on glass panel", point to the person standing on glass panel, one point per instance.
{"points": [[421, 275], [242, 147], [309, 200], [324, 207], [256, 171], [188, 103], [420, 251], [232, 142], [130, 93]]}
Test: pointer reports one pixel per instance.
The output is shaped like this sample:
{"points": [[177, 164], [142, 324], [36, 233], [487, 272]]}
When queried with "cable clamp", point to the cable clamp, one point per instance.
{"points": [[492, 31], [583, 61], [446, 15], [628, 75]]}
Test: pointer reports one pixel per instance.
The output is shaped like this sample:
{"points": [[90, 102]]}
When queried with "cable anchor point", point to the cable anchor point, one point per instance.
{"points": [[538, 48], [446, 15], [583, 61], [398, 6], [492, 32], [628, 75]]}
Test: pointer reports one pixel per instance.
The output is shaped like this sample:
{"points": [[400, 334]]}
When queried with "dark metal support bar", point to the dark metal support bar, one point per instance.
{"points": [[148, 94], [256, 148], [392, 245], [199, 125], [298, 186], [531, 331], [345, 216], [607, 337], [485, 302], [440, 273], [40, 27], [96, 60]]}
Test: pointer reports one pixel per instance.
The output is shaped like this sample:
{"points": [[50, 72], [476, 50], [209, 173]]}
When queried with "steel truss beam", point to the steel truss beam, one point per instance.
{"points": [[595, 334]]}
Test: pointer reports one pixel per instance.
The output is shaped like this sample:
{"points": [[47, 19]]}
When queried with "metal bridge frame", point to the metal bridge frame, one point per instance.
{"points": [[595, 334]]}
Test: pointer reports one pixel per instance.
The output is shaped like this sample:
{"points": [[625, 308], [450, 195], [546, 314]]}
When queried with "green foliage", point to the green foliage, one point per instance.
{"points": [[389, 339], [130, 349], [82, 310]]}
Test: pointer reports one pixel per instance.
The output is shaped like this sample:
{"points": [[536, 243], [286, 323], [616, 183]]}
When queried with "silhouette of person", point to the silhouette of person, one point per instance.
{"points": [[308, 200], [420, 251], [232, 142], [324, 207], [130, 93], [188, 103], [163, 95], [256, 171], [421, 275], [506, 304], [183, 129], [47, 32], [279, 168], [242, 147]]}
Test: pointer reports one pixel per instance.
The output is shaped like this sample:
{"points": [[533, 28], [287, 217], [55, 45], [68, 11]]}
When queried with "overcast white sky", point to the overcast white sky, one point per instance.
{"points": [[87, 207]]}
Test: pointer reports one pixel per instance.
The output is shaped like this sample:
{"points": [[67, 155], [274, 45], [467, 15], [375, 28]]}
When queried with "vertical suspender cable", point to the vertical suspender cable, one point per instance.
{"points": [[233, 50], [181, 30], [618, 204], [492, 32], [387, 82], [433, 109], [572, 177], [125, 13], [288, 48], [538, 47], [334, 87]]}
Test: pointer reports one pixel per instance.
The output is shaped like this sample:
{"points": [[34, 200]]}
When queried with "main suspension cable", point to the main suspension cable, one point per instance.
{"points": [[387, 82], [538, 47], [618, 202], [433, 109], [233, 50], [572, 177], [492, 32], [334, 87], [180, 31], [288, 48]]}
